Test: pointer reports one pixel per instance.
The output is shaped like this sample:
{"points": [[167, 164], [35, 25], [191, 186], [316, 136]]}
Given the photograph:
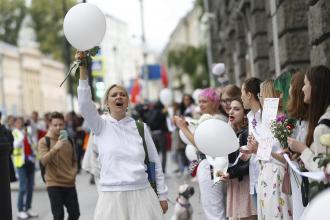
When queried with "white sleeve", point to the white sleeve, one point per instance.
{"points": [[87, 107], [153, 157]]}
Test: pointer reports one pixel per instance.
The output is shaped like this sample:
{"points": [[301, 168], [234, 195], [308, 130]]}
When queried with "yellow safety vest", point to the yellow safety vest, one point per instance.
{"points": [[18, 153]]}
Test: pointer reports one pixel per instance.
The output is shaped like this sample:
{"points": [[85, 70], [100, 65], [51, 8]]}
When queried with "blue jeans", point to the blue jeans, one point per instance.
{"points": [[26, 184]]}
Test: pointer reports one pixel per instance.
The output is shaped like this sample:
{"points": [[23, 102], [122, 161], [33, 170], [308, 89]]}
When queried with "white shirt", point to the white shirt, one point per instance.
{"points": [[254, 168], [121, 152]]}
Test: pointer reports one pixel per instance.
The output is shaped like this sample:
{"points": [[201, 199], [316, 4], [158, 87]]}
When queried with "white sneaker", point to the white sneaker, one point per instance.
{"points": [[32, 214], [22, 215]]}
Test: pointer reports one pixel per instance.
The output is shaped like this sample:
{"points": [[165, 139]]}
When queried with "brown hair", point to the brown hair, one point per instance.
{"points": [[245, 122], [56, 115], [232, 91], [252, 85], [319, 78], [296, 107], [106, 95]]}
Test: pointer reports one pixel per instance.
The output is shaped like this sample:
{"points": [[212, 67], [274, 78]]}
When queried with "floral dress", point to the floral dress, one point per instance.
{"points": [[272, 202]]}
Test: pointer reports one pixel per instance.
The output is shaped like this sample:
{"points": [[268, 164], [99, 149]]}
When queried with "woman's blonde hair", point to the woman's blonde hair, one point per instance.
{"points": [[106, 94], [268, 89]]}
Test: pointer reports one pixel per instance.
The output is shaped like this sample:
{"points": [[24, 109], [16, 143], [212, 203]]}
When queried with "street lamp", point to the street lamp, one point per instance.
{"points": [[206, 21], [144, 54], [3, 97]]}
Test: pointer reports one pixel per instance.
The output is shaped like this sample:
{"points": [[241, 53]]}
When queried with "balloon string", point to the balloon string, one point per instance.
{"points": [[73, 69]]}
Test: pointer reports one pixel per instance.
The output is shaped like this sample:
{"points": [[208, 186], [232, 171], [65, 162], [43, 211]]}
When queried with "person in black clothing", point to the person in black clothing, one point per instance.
{"points": [[239, 201], [156, 120], [7, 137]]}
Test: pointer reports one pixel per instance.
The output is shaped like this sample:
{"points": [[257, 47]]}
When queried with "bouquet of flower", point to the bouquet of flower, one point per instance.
{"points": [[282, 128]]}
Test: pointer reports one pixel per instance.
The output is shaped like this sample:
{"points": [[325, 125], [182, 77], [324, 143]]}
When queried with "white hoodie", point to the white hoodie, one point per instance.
{"points": [[121, 152]]}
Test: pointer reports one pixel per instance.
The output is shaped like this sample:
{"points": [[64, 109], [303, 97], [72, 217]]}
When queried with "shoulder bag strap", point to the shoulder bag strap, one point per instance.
{"points": [[47, 142], [325, 121], [140, 127]]}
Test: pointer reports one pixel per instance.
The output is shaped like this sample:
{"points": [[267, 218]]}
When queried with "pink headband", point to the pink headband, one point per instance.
{"points": [[211, 95]]}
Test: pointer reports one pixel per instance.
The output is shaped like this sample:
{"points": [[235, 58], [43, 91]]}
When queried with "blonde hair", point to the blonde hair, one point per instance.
{"points": [[106, 94], [268, 90]]}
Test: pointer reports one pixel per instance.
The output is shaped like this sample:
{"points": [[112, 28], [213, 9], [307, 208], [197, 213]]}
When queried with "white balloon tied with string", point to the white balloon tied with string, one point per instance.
{"points": [[215, 138], [84, 26]]}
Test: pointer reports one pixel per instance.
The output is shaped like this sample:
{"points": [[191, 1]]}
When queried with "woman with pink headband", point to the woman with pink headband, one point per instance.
{"points": [[213, 196]]}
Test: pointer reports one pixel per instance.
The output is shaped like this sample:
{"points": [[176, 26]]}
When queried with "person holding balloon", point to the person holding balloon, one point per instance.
{"points": [[125, 190], [239, 201], [213, 196]]}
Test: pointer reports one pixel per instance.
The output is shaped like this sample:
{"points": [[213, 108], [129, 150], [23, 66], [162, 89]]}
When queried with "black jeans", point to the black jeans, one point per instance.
{"points": [[64, 196]]}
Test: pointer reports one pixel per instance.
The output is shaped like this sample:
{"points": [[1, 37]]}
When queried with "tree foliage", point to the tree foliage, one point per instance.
{"points": [[191, 61], [12, 13], [48, 16]]}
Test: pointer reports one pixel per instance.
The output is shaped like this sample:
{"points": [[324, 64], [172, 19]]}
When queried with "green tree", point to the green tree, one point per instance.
{"points": [[12, 13], [47, 16], [191, 61]]}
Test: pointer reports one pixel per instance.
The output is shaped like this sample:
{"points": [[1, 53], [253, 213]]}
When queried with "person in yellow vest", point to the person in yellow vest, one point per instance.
{"points": [[24, 160]]}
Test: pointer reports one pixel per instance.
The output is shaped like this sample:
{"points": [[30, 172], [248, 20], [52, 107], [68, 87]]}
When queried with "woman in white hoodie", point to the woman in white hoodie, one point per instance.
{"points": [[125, 190]]}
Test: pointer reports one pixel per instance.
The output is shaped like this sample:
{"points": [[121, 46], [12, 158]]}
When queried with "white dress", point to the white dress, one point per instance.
{"points": [[272, 202], [295, 179]]}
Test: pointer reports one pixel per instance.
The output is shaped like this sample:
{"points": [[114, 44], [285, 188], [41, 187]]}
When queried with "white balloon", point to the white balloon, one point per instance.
{"points": [[196, 94], [191, 152], [166, 97], [84, 26], [215, 138], [178, 96], [318, 207], [218, 69]]}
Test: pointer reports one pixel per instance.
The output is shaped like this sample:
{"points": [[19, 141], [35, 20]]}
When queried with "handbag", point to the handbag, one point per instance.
{"points": [[286, 185], [151, 166]]}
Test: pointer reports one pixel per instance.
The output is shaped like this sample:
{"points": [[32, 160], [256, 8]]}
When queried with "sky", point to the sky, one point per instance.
{"points": [[160, 17]]}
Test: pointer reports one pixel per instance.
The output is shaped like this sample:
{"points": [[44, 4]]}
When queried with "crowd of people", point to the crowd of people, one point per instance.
{"points": [[130, 172], [256, 188], [36, 144]]}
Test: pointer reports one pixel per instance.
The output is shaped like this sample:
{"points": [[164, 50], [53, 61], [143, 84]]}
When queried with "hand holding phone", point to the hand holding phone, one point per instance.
{"points": [[63, 135]]}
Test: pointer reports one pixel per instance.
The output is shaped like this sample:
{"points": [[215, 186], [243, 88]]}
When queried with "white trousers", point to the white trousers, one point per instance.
{"points": [[128, 205], [213, 196]]}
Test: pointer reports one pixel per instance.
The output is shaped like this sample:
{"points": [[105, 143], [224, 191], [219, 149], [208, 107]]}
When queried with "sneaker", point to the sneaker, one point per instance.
{"points": [[22, 215], [32, 214]]}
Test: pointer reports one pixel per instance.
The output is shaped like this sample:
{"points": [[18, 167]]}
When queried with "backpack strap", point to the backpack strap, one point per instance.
{"points": [[47, 141], [140, 127], [325, 121]]}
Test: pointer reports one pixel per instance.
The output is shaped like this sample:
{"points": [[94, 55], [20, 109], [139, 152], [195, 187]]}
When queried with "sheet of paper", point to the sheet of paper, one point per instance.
{"points": [[269, 110]]}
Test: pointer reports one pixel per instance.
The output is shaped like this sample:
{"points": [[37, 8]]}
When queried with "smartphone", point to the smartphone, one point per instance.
{"points": [[63, 135]]}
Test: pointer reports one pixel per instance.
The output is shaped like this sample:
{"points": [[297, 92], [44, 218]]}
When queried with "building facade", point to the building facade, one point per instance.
{"points": [[264, 38], [30, 81], [188, 32]]}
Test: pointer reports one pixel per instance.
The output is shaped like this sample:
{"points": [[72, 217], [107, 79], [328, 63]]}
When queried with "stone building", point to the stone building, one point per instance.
{"points": [[30, 81], [264, 38], [187, 33]]}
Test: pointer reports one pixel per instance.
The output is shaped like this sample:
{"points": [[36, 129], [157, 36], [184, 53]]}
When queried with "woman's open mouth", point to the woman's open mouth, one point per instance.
{"points": [[119, 104], [231, 118]]}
